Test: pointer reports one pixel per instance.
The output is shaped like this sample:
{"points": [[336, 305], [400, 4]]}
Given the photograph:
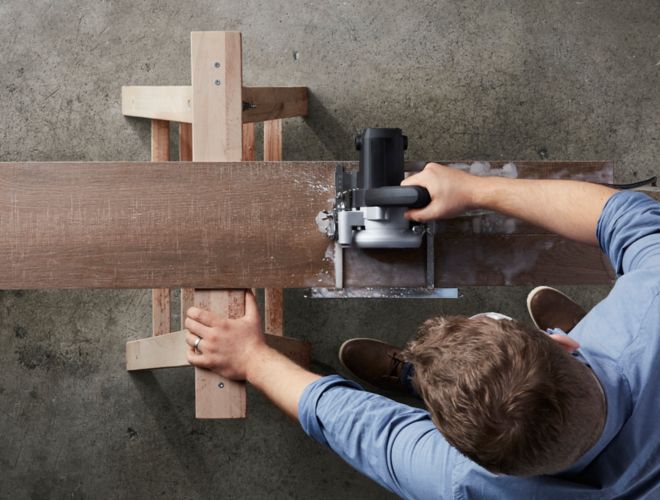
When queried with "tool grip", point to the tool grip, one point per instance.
{"points": [[397, 196]]}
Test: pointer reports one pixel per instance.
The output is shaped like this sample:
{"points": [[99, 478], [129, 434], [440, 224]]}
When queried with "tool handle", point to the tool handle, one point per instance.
{"points": [[397, 196]]}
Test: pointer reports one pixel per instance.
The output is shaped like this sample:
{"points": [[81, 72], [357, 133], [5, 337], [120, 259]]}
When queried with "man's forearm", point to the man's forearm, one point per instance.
{"points": [[568, 208], [279, 378]]}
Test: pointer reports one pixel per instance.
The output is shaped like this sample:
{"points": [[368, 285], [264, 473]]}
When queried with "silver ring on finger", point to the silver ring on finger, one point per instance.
{"points": [[196, 344]]}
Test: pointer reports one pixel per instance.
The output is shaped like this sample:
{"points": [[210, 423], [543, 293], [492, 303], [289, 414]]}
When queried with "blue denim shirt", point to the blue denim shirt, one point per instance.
{"points": [[400, 448]]}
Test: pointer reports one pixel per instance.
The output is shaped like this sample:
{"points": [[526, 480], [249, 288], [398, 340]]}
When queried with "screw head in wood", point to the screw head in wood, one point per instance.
{"points": [[216, 64], [217, 82], [221, 385]]}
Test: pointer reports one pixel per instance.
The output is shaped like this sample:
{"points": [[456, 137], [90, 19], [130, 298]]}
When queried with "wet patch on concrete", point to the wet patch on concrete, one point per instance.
{"points": [[72, 359]]}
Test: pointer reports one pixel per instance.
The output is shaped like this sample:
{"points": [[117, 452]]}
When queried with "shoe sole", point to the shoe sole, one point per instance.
{"points": [[531, 295]]}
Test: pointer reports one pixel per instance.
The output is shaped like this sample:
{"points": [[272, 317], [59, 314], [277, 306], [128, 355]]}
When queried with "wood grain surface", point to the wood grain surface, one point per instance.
{"points": [[248, 224], [160, 297], [216, 69], [216, 396], [174, 103], [187, 298], [273, 297], [170, 351]]}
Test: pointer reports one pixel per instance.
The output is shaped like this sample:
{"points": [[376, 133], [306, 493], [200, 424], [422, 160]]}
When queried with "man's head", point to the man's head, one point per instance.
{"points": [[508, 396]]}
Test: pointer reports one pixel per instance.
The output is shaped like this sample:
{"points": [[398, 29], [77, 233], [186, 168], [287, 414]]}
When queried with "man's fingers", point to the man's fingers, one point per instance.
{"points": [[197, 359], [197, 328], [203, 316], [191, 340], [251, 308], [413, 180], [419, 214]]}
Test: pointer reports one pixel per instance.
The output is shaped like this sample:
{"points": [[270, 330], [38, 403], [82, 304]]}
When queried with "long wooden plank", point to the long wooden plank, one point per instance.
{"points": [[142, 225], [484, 259], [160, 297], [216, 69], [174, 103], [106, 225], [169, 351]]}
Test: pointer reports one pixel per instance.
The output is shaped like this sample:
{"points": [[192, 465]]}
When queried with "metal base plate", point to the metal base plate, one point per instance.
{"points": [[382, 293]]}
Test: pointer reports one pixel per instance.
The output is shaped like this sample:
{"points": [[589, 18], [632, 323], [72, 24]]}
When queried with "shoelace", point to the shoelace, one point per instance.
{"points": [[395, 367]]}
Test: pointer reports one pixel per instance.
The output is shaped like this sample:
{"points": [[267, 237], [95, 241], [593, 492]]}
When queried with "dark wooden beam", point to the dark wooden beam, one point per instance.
{"points": [[272, 103], [248, 224]]}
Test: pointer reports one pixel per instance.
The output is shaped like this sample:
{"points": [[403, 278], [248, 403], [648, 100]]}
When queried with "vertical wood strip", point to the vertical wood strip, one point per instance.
{"points": [[249, 153], [274, 311], [216, 68], [273, 140], [185, 154], [160, 297], [273, 297], [185, 142], [215, 396], [217, 96]]}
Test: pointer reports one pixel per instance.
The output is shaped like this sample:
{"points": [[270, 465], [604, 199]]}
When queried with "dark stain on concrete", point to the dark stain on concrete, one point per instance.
{"points": [[20, 332], [54, 356], [36, 356]]}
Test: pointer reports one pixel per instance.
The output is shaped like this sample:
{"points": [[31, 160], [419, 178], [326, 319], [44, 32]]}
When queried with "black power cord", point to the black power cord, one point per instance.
{"points": [[651, 181]]}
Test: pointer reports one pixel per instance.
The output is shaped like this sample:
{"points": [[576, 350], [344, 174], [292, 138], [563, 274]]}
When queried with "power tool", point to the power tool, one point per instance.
{"points": [[370, 203]]}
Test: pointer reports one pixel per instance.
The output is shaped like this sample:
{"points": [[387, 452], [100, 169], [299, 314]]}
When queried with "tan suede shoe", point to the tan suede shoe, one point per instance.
{"points": [[549, 308], [374, 362]]}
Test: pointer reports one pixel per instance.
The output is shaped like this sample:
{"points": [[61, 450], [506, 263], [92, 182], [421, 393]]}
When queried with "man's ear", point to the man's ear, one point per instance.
{"points": [[567, 343]]}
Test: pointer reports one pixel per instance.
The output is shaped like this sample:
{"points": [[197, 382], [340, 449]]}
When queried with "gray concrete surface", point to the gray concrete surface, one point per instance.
{"points": [[465, 80]]}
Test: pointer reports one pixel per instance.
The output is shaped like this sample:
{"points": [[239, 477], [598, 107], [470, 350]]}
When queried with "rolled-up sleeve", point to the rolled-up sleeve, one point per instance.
{"points": [[396, 445], [629, 231]]}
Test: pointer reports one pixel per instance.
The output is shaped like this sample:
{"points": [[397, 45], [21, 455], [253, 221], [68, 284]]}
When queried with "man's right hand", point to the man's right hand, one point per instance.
{"points": [[568, 208], [450, 189]]}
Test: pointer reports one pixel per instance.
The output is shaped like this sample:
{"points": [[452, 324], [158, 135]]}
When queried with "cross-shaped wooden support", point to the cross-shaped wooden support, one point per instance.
{"points": [[216, 118]]}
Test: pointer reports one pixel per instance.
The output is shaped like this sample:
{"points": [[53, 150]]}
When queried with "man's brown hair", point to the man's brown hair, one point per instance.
{"points": [[505, 394]]}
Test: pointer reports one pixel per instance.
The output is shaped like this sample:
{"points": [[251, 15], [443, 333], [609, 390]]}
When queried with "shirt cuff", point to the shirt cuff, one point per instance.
{"points": [[309, 401], [626, 217]]}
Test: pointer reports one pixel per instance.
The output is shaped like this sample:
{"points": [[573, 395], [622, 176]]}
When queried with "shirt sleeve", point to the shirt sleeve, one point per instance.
{"points": [[396, 445], [629, 231]]}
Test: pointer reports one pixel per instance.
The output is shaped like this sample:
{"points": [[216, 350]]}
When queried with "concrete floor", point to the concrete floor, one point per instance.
{"points": [[474, 79]]}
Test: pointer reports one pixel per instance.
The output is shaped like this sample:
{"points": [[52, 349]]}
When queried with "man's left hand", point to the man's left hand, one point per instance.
{"points": [[226, 345]]}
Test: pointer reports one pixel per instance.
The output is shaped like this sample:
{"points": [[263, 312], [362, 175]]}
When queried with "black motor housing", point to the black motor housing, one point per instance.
{"points": [[381, 157], [382, 170]]}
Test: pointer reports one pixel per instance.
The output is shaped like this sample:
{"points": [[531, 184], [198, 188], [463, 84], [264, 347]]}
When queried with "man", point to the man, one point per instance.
{"points": [[521, 414]]}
